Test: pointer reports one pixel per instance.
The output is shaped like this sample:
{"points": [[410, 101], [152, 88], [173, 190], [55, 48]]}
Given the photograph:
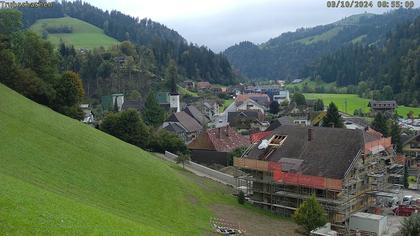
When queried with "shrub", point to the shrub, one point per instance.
{"points": [[241, 197]]}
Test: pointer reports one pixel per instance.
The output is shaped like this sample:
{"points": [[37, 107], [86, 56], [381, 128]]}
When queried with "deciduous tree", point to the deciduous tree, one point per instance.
{"points": [[310, 214]]}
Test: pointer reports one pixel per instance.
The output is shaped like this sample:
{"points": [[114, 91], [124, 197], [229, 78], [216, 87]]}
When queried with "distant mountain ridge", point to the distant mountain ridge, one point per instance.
{"points": [[285, 56]]}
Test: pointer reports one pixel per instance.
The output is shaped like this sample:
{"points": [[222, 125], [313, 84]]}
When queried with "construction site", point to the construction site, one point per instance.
{"points": [[344, 169]]}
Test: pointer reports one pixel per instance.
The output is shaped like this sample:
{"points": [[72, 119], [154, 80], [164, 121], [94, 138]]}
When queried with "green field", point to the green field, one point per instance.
{"points": [[61, 177], [225, 104], [185, 91], [84, 35], [354, 102]]}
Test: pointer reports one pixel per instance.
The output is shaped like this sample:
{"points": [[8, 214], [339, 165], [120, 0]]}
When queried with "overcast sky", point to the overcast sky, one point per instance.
{"points": [[219, 24]]}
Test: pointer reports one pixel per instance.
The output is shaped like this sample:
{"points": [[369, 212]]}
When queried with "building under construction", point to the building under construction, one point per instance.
{"points": [[341, 167]]}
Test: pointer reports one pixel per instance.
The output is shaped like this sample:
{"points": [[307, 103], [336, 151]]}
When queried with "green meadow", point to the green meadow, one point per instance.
{"points": [[84, 35], [347, 103]]}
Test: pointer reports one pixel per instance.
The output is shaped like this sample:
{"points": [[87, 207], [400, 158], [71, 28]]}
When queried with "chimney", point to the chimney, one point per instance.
{"points": [[310, 134], [219, 130]]}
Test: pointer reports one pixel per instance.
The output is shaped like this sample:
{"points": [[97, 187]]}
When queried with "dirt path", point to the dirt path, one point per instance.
{"points": [[254, 223]]}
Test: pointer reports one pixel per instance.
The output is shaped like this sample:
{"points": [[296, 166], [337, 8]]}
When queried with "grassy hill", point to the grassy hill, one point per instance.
{"points": [[84, 35], [61, 177]]}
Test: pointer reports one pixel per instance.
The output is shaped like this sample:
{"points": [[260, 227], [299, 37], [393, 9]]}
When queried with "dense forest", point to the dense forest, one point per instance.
{"points": [[197, 63], [286, 56], [31, 67], [392, 64]]}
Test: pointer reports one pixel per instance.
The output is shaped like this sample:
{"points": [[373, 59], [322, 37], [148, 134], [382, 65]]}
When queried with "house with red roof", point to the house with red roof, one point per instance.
{"points": [[214, 145]]}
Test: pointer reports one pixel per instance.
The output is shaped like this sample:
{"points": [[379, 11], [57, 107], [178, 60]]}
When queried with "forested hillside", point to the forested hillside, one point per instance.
{"points": [[31, 67], [394, 65], [197, 63], [286, 56]]}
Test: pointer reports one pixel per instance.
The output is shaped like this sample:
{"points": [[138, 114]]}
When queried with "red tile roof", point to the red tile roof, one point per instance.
{"points": [[224, 139]]}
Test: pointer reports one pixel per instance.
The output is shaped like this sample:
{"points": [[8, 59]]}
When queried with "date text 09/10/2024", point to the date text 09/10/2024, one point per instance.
{"points": [[370, 4]]}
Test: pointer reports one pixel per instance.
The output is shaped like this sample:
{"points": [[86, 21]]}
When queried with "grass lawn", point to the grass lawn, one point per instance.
{"points": [[185, 91], [61, 177], [84, 35], [225, 104], [354, 102]]}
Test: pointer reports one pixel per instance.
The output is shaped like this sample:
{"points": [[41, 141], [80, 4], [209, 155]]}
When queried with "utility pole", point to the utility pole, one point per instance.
{"points": [[345, 104]]}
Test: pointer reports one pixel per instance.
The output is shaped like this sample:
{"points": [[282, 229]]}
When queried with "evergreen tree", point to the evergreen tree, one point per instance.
{"points": [[333, 117], [410, 226], [153, 114], [379, 124], [274, 107], [319, 105], [396, 136], [241, 197], [115, 109], [310, 214], [172, 76], [405, 180]]}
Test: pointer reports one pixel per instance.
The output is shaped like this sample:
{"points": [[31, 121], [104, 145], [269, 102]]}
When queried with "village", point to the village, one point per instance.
{"points": [[275, 148]]}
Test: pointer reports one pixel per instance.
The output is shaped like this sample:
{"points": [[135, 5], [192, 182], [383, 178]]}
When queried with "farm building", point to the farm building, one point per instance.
{"points": [[340, 166], [248, 104], [382, 106], [250, 119], [196, 114], [184, 125], [260, 98], [214, 145]]}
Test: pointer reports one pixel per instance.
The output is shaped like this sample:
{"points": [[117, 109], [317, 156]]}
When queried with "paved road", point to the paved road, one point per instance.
{"points": [[222, 120], [191, 169]]}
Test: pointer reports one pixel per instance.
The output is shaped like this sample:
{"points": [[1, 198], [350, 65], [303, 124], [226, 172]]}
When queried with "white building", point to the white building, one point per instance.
{"points": [[282, 96]]}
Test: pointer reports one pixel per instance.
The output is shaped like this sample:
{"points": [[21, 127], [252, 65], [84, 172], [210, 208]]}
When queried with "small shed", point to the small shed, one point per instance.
{"points": [[366, 222]]}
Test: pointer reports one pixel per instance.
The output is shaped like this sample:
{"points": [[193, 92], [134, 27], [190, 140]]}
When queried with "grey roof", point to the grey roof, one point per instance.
{"points": [[284, 120], [329, 153], [175, 127], [196, 114], [132, 104], [250, 114], [189, 123]]}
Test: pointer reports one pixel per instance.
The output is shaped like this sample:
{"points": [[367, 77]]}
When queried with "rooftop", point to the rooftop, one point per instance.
{"points": [[223, 139], [188, 122], [326, 152]]}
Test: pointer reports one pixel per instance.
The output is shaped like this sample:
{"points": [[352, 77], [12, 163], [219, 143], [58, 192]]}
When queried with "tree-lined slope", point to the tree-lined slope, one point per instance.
{"points": [[61, 177], [194, 62]]}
